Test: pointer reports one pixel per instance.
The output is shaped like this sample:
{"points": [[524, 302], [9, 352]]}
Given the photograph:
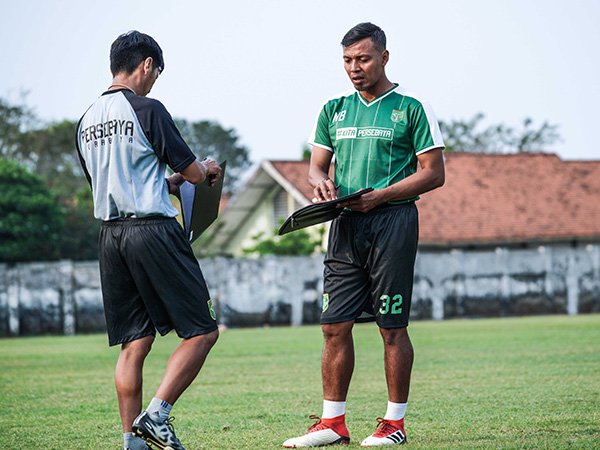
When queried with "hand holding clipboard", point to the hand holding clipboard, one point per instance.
{"points": [[317, 213], [200, 204]]}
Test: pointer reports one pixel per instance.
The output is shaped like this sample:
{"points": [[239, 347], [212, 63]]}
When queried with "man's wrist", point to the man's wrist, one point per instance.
{"points": [[321, 181], [204, 168], [175, 179]]}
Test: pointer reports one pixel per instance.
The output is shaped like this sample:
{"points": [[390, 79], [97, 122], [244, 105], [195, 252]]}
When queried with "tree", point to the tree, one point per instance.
{"points": [[46, 149], [207, 138], [31, 222], [52, 151], [49, 150], [14, 121], [298, 243], [467, 136], [79, 240]]}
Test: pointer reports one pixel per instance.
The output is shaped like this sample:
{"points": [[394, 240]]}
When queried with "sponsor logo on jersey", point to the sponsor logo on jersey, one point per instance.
{"points": [[398, 115], [364, 133], [345, 133]]}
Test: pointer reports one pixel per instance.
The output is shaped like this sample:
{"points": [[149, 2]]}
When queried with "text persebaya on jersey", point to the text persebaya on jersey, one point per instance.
{"points": [[364, 133], [108, 129]]}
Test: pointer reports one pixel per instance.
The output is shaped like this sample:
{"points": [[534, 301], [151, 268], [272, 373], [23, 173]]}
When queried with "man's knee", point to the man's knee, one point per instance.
{"points": [[395, 336], [138, 348], [212, 337], [337, 331], [205, 340]]}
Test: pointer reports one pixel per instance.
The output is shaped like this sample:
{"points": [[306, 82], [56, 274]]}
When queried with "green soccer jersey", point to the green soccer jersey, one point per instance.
{"points": [[375, 143]]}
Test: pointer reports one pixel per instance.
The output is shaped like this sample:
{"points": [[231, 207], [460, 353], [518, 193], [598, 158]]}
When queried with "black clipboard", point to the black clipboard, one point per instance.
{"points": [[317, 213], [200, 205]]}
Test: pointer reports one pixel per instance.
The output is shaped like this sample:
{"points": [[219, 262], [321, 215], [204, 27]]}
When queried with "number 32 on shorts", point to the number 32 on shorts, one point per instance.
{"points": [[391, 305]]}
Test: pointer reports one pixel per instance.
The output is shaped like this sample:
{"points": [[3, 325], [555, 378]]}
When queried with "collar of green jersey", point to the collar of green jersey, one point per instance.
{"points": [[379, 97]]}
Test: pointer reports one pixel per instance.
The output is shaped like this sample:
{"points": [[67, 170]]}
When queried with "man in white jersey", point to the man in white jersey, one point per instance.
{"points": [[379, 133], [150, 277]]}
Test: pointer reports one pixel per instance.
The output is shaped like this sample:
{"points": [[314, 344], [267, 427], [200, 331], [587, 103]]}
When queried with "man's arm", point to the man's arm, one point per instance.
{"points": [[195, 173], [431, 176], [318, 175]]}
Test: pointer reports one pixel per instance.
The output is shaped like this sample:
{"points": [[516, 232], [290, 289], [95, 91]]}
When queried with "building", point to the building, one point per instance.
{"points": [[273, 192], [489, 200]]}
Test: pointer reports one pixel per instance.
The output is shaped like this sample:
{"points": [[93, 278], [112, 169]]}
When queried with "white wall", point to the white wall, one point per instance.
{"points": [[65, 297]]}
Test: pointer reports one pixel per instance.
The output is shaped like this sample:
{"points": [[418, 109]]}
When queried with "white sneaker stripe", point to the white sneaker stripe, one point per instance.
{"points": [[315, 438]]}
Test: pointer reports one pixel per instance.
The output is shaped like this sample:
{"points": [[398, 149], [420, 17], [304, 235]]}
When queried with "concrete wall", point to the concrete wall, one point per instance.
{"points": [[50, 298], [65, 298]]}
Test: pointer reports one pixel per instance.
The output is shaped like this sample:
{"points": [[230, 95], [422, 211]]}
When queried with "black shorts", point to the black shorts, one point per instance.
{"points": [[369, 267], [151, 281]]}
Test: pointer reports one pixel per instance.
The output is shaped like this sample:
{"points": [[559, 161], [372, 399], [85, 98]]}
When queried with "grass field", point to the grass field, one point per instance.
{"points": [[502, 383]]}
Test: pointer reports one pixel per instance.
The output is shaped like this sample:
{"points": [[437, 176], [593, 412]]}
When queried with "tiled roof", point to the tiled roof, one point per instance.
{"points": [[499, 199], [296, 172]]}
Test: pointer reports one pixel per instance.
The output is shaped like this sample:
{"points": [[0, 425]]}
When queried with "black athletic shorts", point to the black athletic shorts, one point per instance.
{"points": [[151, 281], [369, 267]]}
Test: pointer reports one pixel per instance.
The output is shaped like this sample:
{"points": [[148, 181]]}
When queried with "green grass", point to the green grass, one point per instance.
{"points": [[501, 383]]}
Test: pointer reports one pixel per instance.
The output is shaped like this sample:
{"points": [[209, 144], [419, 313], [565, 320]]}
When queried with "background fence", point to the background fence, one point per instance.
{"points": [[65, 298]]}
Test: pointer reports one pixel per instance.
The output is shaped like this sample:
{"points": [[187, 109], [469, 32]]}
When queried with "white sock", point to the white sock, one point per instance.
{"points": [[333, 409], [395, 411], [159, 410], [132, 442]]}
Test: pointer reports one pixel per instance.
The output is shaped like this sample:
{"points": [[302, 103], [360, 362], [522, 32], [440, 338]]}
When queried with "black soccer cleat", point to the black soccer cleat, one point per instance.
{"points": [[159, 435]]}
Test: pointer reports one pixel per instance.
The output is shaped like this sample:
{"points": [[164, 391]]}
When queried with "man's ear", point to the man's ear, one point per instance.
{"points": [[148, 64], [385, 57]]}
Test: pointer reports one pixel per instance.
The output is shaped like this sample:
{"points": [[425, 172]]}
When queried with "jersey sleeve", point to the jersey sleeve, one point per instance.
{"points": [[319, 136], [161, 131], [80, 156], [425, 130]]}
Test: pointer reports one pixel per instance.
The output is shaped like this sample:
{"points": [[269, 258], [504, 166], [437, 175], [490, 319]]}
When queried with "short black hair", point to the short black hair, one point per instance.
{"points": [[365, 30], [130, 49]]}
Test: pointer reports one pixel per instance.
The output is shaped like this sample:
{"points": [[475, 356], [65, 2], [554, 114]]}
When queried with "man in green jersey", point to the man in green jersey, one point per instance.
{"points": [[379, 133]]}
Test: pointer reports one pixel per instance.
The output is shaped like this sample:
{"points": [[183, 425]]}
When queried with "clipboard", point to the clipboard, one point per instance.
{"points": [[200, 205], [317, 213]]}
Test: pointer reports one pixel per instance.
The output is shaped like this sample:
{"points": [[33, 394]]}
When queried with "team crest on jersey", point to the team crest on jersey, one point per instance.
{"points": [[325, 301], [398, 115], [211, 310]]}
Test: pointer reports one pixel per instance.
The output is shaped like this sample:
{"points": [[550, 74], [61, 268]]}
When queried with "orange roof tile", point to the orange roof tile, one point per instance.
{"points": [[507, 198], [496, 199], [296, 172]]}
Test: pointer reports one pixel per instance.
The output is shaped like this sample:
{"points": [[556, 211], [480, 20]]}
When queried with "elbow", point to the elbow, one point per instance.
{"points": [[438, 180], [441, 179]]}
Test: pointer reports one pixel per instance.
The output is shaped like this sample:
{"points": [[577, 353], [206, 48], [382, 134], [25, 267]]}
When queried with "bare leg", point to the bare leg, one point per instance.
{"points": [[337, 362], [128, 379], [184, 365], [398, 358]]}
